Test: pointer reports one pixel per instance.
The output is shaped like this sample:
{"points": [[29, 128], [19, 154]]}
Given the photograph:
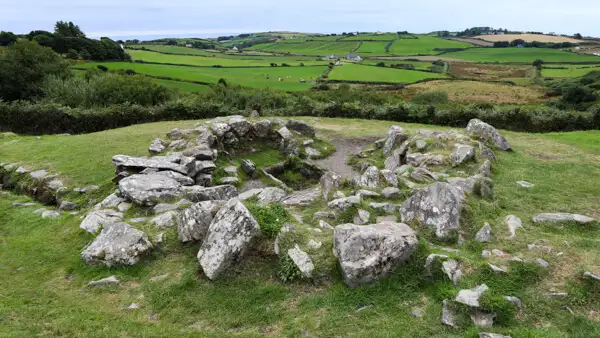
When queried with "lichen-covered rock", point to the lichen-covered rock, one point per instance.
{"points": [[285, 133], [485, 169], [368, 253], [486, 132], [200, 153], [193, 222], [137, 164], [561, 217], [369, 179], [50, 214], [302, 197], [388, 208], [342, 204], [462, 154], [182, 179], [438, 206], [484, 234], [302, 261], [67, 206], [330, 181], [390, 177], [425, 160], [240, 126], [229, 235], [220, 192], [471, 297], [165, 220], [362, 217], [248, 167], [120, 244], [513, 223], [263, 128], [271, 195], [301, 127], [157, 146], [98, 219], [390, 192], [396, 135], [423, 175], [149, 189]]}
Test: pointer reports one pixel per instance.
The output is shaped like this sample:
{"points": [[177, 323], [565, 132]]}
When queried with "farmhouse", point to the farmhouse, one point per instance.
{"points": [[188, 45], [352, 57], [234, 48], [333, 57]]}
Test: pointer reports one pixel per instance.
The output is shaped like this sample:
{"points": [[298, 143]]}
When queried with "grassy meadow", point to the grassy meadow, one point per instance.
{"points": [[44, 281], [568, 71], [424, 45], [521, 55], [320, 48], [353, 72]]}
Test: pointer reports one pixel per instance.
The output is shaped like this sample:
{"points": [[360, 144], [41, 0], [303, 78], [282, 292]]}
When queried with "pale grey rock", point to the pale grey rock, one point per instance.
{"points": [[369, 179], [86, 189], [390, 177], [271, 195], [425, 160], [323, 215], [285, 133], [119, 244], [486, 253], [542, 263], [390, 192], [484, 235], [421, 145], [366, 193], [111, 201], [23, 204], [312, 152], [203, 180], [388, 219], [396, 135], [486, 132], [159, 277], [462, 154], [230, 180], [21, 170], [219, 129], [112, 280], [487, 153], [205, 167], [315, 245], [124, 206], [316, 230], [165, 220], [157, 146], [67, 206], [163, 207], [483, 320], [182, 179], [432, 258], [39, 211], [525, 184], [471, 297], [396, 159], [220, 192], [388, 208], [362, 217], [248, 167], [254, 114], [301, 127], [451, 268], [325, 225], [498, 253], [308, 142], [556, 294], [514, 301], [38, 174], [561, 217], [98, 219], [437, 206], [133, 306], [343, 204], [231, 170], [50, 214], [591, 276], [485, 169], [513, 223], [229, 235], [496, 269], [124, 162], [250, 193], [178, 144], [302, 197], [492, 335], [200, 153], [240, 126], [137, 220], [339, 194], [423, 175], [149, 189], [379, 143], [193, 222], [368, 253], [448, 315], [330, 181], [263, 128], [302, 261]]}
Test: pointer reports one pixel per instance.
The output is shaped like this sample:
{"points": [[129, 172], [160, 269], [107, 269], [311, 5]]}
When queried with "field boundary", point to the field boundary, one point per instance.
{"points": [[219, 66]]}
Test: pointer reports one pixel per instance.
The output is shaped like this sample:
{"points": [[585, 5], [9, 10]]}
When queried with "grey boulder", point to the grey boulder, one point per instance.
{"points": [[149, 189], [484, 234], [396, 135], [120, 244], [220, 192], [301, 127], [248, 167], [98, 219], [271, 195], [485, 131], [302, 261], [368, 253], [342, 204], [302, 197], [462, 154], [229, 235], [369, 179], [193, 222], [470, 297], [157, 146], [330, 181], [561, 217]]}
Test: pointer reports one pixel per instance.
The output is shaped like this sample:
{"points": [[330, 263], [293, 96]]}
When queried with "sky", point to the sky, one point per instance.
{"points": [[159, 18]]}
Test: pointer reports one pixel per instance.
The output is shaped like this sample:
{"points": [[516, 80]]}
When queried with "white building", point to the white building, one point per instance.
{"points": [[234, 48]]}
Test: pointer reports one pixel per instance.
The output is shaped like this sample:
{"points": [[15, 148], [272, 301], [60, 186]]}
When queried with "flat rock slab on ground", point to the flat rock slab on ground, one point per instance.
{"points": [[561, 217], [149, 190], [120, 244]]}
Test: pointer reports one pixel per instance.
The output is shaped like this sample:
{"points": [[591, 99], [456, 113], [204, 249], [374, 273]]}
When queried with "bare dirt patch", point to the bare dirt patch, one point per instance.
{"points": [[474, 91], [527, 38], [344, 148], [488, 72]]}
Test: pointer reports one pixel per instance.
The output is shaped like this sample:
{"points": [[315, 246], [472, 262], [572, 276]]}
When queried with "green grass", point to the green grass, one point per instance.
{"points": [[571, 71], [224, 62], [351, 72], [321, 48], [43, 290], [251, 77], [525, 55], [373, 48], [380, 37], [424, 45], [421, 65]]}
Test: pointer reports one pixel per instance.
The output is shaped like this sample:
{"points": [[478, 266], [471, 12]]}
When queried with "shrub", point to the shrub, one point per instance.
{"points": [[380, 64], [270, 218], [433, 97]]}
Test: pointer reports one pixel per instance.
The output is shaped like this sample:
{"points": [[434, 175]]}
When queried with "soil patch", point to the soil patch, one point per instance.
{"points": [[344, 148]]}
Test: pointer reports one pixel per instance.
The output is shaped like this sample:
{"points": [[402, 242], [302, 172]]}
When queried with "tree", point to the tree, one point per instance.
{"points": [[7, 38], [68, 29], [380, 64], [72, 54], [24, 66], [577, 36], [172, 42], [517, 42], [538, 63], [501, 44]]}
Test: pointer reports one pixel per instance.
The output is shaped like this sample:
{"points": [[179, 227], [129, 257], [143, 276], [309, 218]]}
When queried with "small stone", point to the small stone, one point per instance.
{"points": [[497, 269], [492, 335], [323, 215], [112, 280], [514, 301], [23, 204], [123, 206], [159, 277], [50, 214], [362, 217], [486, 253], [302, 261], [542, 263], [325, 225], [498, 253], [385, 207], [525, 184], [471, 297], [229, 180], [416, 313], [231, 170], [248, 167], [339, 194], [312, 152], [556, 294], [451, 268], [137, 220], [366, 193], [163, 207], [308, 142], [591, 275], [133, 306], [166, 220], [157, 146], [391, 192], [39, 211], [484, 235], [513, 223], [448, 315], [483, 319], [314, 244], [316, 230], [561, 217]]}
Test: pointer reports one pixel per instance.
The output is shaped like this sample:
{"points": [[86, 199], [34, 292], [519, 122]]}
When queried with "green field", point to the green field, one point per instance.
{"points": [[174, 50], [420, 65], [571, 71], [321, 48], [210, 61], [379, 37], [424, 45], [525, 55], [250, 77], [373, 48], [352, 72]]}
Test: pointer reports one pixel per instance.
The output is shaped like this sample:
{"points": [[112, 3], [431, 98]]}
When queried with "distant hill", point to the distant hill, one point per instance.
{"points": [[528, 38]]}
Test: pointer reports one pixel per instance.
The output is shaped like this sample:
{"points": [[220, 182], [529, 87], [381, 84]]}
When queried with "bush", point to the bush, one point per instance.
{"points": [[380, 64], [270, 218], [433, 97]]}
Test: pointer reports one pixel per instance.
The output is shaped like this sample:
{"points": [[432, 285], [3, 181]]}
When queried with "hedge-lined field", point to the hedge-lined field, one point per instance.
{"points": [[569, 71], [373, 48], [367, 37], [525, 55], [321, 48], [353, 72], [250, 77], [212, 61], [424, 45]]}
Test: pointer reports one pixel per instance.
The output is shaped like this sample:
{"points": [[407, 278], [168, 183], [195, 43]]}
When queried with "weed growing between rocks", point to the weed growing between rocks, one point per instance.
{"points": [[270, 217]]}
